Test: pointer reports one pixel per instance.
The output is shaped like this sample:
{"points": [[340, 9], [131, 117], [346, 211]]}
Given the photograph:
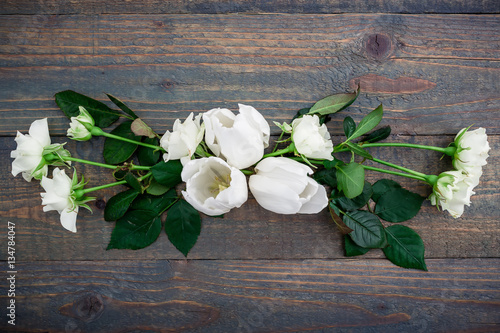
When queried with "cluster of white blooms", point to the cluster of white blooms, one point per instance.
{"points": [[453, 189]]}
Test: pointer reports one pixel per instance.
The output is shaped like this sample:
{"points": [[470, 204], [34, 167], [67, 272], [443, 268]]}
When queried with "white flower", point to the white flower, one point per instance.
{"points": [[81, 125], [282, 185], [452, 192], [58, 196], [213, 187], [472, 149], [240, 139], [182, 142], [29, 153], [311, 139]]}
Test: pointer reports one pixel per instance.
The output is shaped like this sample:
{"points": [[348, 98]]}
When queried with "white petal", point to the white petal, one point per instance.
{"points": [[317, 203], [68, 219], [274, 196], [39, 130]]}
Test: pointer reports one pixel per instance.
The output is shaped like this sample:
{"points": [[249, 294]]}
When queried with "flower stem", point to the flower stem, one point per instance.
{"points": [[96, 131], [289, 149], [395, 166], [74, 159], [80, 193], [450, 151], [394, 173]]}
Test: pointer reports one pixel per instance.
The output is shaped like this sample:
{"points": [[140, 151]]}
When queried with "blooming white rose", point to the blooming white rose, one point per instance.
{"points": [[213, 187], [29, 152], [452, 192], [311, 139], [80, 126], [58, 196], [182, 142], [472, 149], [240, 139], [283, 186]]}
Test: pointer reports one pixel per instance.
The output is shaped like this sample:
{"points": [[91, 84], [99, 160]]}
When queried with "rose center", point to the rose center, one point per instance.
{"points": [[220, 182]]}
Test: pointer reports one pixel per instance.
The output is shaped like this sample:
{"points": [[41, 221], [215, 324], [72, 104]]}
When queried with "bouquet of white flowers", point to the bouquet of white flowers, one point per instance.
{"points": [[220, 156]]}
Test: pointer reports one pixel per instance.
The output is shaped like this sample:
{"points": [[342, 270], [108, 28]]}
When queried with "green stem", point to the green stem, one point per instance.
{"points": [[74, 159], [96, 131], [80, 193], [450, 151], [395, 166], [289, 149], [247, 172], [394, 173]]}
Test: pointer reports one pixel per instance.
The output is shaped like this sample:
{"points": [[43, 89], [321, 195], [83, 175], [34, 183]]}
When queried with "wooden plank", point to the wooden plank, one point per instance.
{"points": [[255, 296], [242, 6], [433, 73], [250, 232]]}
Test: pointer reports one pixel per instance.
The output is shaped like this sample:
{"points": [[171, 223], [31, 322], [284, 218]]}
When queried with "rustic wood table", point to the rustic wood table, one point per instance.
{"points": [[436, 70]]}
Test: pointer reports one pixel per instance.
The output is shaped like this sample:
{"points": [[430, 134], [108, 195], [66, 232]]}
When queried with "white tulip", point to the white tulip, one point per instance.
{"points": [[214, 187], [312, 139], [452, 192], [181, 143], [472, 149], [30, 149], [80, 126], [239, 139], [58, 196], [283, 186]]}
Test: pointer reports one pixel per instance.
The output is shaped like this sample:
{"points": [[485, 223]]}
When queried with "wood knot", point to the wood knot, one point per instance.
{"points": [[167, 85], [86, 308], [100, 204], [378, 46]]}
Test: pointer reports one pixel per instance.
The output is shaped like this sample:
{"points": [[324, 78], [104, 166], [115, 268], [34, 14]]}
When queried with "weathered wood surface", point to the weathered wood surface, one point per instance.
{"points": [[257, 296], [251, 232], [433, 73]]}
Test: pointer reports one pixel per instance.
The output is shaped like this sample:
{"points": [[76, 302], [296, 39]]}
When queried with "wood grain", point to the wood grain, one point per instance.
{"points": [[250, 232], [434, 74], [256, 296]]}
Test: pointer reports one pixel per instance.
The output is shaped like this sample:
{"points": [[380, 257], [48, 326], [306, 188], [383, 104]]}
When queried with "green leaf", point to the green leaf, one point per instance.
{"points": [[398, 205], [326, 177], [406, 248], [356, 149], [118, 204], [382, 186], [300, 113], [352, 249], [351, 179], [117, 151], [368, 122], [183, 226], [140, 128], [168, 173], [120, 173], [367, 231], [156, 204], [156, 189], [148, 156], [347, 204], [70, 101], [333, 103], [122, 106], [133, 182], [377, 135], [135, 230], [349, 126]]}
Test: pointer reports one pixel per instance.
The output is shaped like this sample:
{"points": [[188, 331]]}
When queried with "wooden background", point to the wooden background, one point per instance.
{"points": [[435, 68]]}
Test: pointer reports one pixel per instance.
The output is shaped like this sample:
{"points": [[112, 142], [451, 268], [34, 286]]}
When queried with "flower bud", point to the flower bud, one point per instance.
{"points": [[81, 126], [310, 139]]}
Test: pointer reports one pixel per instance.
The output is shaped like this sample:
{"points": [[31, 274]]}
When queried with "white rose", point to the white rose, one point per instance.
{"points": [[80, 126], [58, 196], [283, 186], [213, 187], [452, 192], [182, 142], [29, 152], [311, 139], [472, 149], [240, 139]]}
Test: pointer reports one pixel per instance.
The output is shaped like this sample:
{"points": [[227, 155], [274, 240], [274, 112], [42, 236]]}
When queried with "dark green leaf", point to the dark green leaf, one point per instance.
{"points": [[367, 230], [331, 164], [156, 204], [333, 103], [406, 248], [300, 113], [135, 230], [351, 179], [117, 151], [122, 106], [349, 126], [119, 173], [347, 204], [326, 177], [398, 205], [368, 122], [156, 189], [148, 156], [168, 173], [133, 182], [382, 186], [70, 101], [335, 214], [356, 149], [118, 204], [183, 226], [352, 249], [378, 135]]}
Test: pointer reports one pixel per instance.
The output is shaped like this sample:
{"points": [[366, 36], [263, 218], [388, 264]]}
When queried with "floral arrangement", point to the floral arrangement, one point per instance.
{"points": [[220, 156]]}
